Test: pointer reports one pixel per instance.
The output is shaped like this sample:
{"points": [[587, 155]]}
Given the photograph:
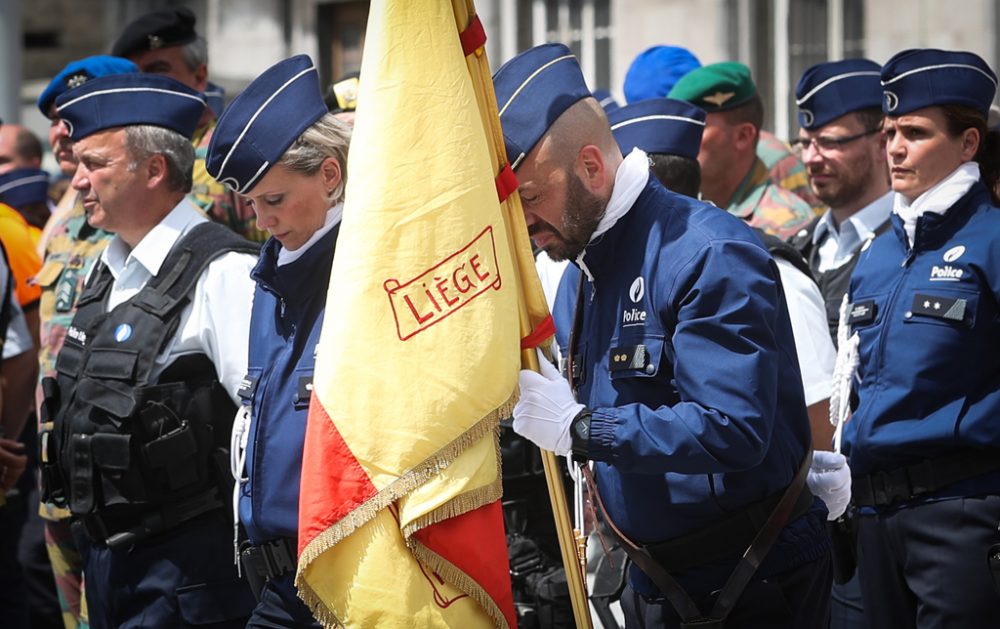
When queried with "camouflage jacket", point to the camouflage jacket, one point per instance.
{"points": [[71, 250], [763, 204]]}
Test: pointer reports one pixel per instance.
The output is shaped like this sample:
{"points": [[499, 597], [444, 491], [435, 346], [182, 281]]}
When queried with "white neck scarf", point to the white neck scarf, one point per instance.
{"points": [[937, 199], [631, 178], [333, 216]]}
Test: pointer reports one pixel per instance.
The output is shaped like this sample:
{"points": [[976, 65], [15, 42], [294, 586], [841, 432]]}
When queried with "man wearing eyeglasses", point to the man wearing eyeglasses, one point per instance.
{"points": [[843, 147]]}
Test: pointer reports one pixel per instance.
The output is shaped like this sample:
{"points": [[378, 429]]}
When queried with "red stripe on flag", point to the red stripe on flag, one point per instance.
{"points": [[544, 330], [333, 482], [506, 182], [473, 37], [474, 543]]}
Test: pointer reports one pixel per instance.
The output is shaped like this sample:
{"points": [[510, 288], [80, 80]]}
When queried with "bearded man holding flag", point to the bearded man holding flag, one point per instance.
{"points": [[686, 393]]}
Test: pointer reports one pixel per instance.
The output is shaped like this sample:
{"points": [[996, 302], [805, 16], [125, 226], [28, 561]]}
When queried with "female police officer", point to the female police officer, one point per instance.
{"points": [[924, 440], [277, 145]]}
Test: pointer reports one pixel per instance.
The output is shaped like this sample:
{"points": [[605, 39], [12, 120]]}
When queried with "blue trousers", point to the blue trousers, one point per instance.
{"points": [[281, 608], [184, 577], [925, 565], [797, 599]]}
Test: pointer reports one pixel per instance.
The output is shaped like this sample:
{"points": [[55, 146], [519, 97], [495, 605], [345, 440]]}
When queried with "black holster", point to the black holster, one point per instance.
{"points": [[844, 539], [993, 560]]}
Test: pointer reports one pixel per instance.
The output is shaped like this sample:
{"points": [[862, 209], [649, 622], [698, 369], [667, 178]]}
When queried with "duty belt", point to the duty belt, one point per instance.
{"points": [[267, 561], [906, 483], [118, 530]]}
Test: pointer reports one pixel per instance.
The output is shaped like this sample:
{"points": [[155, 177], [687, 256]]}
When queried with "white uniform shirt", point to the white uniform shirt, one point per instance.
{"points": [[217, 320], [837, 246], [813, 345]]}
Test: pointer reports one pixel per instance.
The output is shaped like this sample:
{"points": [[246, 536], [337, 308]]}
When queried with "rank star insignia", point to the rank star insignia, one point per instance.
{"points": [[719, 98], [927, 304], [155, 42], [937, 305], [76, 80]]}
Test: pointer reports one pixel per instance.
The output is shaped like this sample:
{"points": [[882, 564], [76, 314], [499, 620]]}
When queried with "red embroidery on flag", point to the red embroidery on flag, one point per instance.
{"points": [[473, 37], [443, 289]]}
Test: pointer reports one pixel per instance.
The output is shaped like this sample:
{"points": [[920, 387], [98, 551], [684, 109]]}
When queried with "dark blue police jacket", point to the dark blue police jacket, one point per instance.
{"points": [[929, 329], [288, 306], [688, 364]]}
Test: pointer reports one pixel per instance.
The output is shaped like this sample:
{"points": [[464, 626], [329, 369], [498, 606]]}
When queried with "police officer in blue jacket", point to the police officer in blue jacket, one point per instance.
{"points": [[690, 402], [924, 438], [277, 145]]}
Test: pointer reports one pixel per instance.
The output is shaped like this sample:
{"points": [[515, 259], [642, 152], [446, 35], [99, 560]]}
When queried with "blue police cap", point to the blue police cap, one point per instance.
{"points": [[22, 186], [659, 125], [656, 70], [263, 121], [606, 100], [923, 77], [120, 100], [829, 90], [533, 89], [76, 73]]}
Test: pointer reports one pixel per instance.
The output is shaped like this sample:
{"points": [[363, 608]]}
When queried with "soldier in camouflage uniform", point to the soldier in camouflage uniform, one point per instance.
{"points": [[733, 176], [165, 42]]}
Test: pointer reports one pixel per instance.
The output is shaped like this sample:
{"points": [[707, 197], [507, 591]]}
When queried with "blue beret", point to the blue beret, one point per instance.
{"points": [[918, 78], [256, 129], [659, 125], [533, 89], [215, 96], [120, 100], [606, 100], [76, 73], [654, 72], [158, 29], [22, 186], [829, 90]]}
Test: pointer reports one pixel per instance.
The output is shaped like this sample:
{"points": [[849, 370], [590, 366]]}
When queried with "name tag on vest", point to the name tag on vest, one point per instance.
{"points": [[247, 387], [304, 390], [863, 312]]}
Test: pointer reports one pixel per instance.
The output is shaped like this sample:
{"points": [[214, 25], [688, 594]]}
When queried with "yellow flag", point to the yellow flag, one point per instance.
{"points": [[425, 324]]}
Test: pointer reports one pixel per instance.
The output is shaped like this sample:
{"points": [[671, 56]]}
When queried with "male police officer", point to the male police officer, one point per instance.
{"points": [[680, 362], [843, 147], [732, 175], [670, 131], [70, 248], [165, 42], [146, 381]]}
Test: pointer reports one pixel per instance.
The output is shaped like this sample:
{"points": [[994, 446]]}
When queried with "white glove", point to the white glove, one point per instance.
{"points": [[546, 408], [830, 479]]}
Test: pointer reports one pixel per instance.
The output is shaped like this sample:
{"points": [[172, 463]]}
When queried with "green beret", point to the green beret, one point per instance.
{"points": [[716, 87]]}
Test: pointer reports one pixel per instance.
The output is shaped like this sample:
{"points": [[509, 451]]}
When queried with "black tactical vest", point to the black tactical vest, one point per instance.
{"points": [[126, 445], [835, 283]]}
